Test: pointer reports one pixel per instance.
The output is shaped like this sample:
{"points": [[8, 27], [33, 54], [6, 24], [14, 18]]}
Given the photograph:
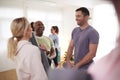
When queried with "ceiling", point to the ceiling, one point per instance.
{"points": [[58, 3], [85, 3]]}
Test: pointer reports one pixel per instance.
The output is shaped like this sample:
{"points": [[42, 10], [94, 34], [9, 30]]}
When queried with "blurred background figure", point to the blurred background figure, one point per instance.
{"points": [[108, 67], [32, 25], [54, 37], [68, 74], [32, 39]]}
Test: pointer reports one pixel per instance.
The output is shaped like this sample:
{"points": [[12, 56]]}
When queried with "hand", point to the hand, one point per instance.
{"points": [[69, 64], [42, 46], [52, 51], [75, 66]]}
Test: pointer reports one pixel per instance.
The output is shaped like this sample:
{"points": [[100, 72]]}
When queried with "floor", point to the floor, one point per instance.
{"points": [[11, 74], [8, 75]]}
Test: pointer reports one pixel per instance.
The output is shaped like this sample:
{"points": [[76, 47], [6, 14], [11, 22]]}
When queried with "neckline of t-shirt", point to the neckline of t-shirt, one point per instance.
{"points": [[85, 28]]}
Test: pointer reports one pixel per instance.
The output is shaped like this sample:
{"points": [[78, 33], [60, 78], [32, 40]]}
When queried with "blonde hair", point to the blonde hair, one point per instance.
{"points": [[18, 27]]}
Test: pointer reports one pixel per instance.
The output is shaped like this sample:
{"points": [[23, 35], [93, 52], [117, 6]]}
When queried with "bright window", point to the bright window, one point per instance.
{"points": [[6, 16], [49, 18], [105, 21]]}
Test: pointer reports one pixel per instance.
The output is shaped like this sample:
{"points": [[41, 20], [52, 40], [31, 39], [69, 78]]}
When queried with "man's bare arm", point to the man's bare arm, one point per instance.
{"points": [[90, 55], [69, 53]]}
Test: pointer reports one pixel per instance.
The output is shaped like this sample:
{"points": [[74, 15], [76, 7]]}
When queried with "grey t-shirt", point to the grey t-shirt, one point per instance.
{"points": [[82, 39]]}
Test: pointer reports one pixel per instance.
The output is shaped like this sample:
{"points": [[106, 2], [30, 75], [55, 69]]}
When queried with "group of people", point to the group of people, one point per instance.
{"points": [[48, 44], [84, 41], [27, 55]]}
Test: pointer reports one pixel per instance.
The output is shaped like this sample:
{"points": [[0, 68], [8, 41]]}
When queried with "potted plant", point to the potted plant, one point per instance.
{"points": [[71, 59]]}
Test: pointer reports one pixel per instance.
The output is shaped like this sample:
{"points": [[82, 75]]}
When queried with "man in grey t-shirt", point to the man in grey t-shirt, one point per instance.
{"points": [[84, 41]]}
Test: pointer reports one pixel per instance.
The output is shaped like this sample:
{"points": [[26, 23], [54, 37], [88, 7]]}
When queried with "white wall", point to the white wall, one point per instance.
{"points": [[8, 11], [68, 25], [5, 63], [105, 22], [49, 15]]}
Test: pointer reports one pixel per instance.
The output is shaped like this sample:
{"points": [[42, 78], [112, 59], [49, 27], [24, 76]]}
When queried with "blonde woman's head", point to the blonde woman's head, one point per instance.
{"points": [[20, 29]]}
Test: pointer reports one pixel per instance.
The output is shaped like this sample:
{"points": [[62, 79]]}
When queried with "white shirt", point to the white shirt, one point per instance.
{"points": [[29, 65]]}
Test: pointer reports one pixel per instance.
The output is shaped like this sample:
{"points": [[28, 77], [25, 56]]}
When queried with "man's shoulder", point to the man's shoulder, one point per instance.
{"points": [[47, 38], [76, 28], [42, 37], [92, 29]]}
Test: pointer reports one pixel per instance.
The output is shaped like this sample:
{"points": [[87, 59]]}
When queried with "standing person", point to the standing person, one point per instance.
{"points": [[84, 41], [32, 25], [43, 56], [54, 37], [108, 67], [32, 39], [44, 42], [28, 58]]}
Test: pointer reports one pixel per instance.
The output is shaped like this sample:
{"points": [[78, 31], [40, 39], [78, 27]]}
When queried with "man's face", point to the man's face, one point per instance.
{"points": [[80, 18], [39, 29]]}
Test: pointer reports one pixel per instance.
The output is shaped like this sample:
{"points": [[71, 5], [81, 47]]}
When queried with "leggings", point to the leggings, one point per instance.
{"points": [[55, 60]]}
